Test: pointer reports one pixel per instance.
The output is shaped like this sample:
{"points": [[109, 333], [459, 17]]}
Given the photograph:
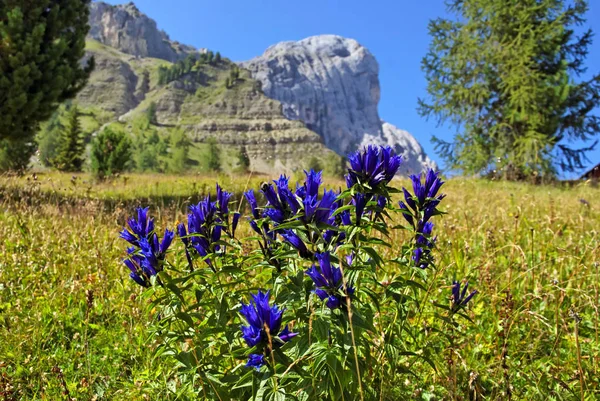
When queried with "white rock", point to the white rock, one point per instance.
{"points": [[331, 83]]}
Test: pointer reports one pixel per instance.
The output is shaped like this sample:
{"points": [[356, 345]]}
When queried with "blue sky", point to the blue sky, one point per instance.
{"points": [[395, 31]]}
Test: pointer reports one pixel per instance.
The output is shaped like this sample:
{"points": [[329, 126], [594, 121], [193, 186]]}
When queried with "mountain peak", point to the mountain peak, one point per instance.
{"points": [[331, 83], [125, 28]]}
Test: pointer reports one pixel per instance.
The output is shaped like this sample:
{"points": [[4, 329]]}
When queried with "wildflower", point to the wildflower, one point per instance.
{"points": [[223, 198], [303, 204], [251, 198], [329, 281], [134, 263], [372, 166], [147, 255], [459, 300], [138, 229], [255, 361], [204, 228], [294, 240], [425, 194], [418, 209], [264, 327]]}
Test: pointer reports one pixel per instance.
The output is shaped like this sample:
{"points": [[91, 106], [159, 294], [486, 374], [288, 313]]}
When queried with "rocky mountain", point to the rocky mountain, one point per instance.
{"points": [[199, 97], [332, 84], [125, 28], [298, 104]]}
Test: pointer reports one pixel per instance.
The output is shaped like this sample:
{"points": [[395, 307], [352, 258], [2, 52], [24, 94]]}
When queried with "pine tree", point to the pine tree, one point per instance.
{"points": [[41, 47], [217, 58], [179, 152], [214, 155], [151, 113], [111, 152], [71, 146], [506, 74], [48, 139], [243, 159]]}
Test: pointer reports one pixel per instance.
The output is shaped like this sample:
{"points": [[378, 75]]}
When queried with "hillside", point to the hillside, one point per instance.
{"points": [[201, 103], [301, 104]]}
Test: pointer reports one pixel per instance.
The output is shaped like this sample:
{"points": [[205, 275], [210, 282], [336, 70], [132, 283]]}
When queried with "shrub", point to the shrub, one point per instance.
{"points": [[111, 153], [316, 304]]}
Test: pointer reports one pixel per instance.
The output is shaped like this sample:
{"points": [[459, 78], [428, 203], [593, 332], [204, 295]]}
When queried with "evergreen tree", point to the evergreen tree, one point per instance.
{"points": [[162, 75], [48, 139], [506, 74], [41, 47], [149, 148], [151, 113], [111, 152], [214, 155], [179, 152], [71, 146], [217, 58], [315, 164], [15, 153], [243, 159]]}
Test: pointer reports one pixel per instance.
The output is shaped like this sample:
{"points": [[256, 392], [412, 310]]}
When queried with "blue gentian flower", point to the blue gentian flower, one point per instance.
{"points": [[372, 166], [303, 204], [138, 274], [143, 227], [459, 300], [294, 240], [147, 255], [204, 228], [255, 361], [264, 326], [418, 209], [329, 281]]}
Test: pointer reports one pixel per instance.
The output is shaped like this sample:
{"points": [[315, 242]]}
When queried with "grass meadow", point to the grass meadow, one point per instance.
{"points": [[72, 323]]}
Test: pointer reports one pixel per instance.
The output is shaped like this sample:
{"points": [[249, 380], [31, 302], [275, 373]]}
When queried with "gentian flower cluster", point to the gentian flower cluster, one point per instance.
{"points": [[418, 209], [329, 281], [147, 254], [459, 300], [303, 204], [264, 327], [206, 222], [371, 168]]}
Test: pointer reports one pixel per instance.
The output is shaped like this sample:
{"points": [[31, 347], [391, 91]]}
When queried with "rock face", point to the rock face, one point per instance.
{"points": [[125, 28], [331, 83], [111, 87], [414, 158]]}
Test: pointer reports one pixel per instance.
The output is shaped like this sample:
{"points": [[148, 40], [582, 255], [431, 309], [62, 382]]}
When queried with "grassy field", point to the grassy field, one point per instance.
{"points": [[71, 321]]}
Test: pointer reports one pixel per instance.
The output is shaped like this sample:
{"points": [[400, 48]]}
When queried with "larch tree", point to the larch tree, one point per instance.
{"points": [[508, 75]]}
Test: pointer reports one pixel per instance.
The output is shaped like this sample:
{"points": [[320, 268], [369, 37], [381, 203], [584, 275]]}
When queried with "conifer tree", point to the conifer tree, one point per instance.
{"points": [[71, 146], [111, 153], [507, 75], [41, 47], [214, 155], [243, 159]]}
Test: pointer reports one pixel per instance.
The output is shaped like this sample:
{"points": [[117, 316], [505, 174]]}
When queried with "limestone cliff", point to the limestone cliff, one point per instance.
{"points": [[331, 83], [125, 28]]}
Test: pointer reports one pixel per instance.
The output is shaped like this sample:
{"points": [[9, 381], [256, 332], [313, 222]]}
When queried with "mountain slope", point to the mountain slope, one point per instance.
{"points": [[332, 84], [200, 102], [292, 105]]}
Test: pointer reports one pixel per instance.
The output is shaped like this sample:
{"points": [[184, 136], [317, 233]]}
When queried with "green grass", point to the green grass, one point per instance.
{"points": [[66, 300]]}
